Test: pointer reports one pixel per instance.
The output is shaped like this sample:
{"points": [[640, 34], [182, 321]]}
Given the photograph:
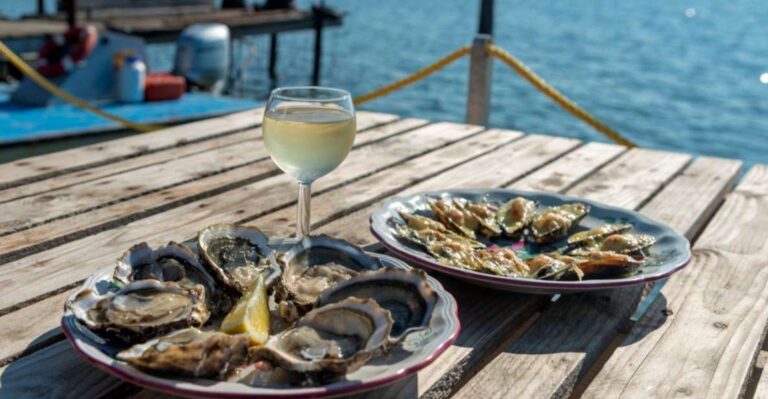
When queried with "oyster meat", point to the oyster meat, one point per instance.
{"points": [[333, 339], [312, 266], [190, 353], [514, 215], [406, 294], [553, 223], [172, 262], [143, 308], [236, 255]]}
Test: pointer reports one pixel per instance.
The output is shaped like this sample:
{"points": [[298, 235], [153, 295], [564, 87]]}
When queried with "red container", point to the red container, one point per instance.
{"points": [[164, 86]]}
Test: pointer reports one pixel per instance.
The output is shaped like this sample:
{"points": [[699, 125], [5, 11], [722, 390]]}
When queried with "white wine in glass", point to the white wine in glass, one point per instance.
{"points": [[308, 132]]}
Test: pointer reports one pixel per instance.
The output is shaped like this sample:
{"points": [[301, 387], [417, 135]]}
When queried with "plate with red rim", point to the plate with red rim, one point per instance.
{"points": [[670, 253], [416, 351]]}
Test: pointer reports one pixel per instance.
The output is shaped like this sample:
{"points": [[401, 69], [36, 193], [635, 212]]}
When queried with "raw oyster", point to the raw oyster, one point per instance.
{"points": [[452, 214], [515, 214], [553, 223], [592, 236], [312, 266], [190, 353], [143, 308], [236, 255], [406, 294], [333, 339], [173, 262]]}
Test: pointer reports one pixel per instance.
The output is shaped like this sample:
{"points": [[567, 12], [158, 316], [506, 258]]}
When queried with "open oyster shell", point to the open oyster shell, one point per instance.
{"points": [[172, 262], [191, 353], [314, 265], [236, 255], [406, 294], [333, 339], [554, 223], [141, 309]]}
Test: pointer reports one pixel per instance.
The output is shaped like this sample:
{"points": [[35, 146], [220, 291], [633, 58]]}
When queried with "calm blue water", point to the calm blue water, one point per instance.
{"points": [[669, 74]]}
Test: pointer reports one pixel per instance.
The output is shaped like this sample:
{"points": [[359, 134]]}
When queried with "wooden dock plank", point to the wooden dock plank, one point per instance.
{"points": [[17, 333], [44, 166], [65, 265], [703, 332], [139, 190], [571, 335]]}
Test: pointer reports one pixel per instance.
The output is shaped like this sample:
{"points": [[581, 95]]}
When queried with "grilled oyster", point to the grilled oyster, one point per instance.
{"points": [[333, 339], [607, 264], [190, 353], [426, 236], [406, 294], [551, 266], [141, 309], [553, 223], [619, 243], [455, 216], [312, 266], [172, 262], [592, 236], [514, 215], [419, 222], [485, 214], [236, 255]]}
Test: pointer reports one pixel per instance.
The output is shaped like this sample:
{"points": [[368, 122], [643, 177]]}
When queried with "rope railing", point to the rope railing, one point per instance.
{"points": [[519, 67]]}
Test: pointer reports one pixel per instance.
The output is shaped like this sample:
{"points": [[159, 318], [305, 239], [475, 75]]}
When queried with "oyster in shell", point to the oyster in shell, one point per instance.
{"points": [[312, 266], [592, 236], [607, 264], [172, 262], [190, 353], [141, 309], [515, 215], [452, 214], [236, 255], [618, 243], [334, 339], [406, 294], [485, 214], [554, 223]]}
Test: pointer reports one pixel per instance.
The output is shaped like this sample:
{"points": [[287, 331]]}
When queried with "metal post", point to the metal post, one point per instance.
{"points": [[273, 57], [71, 8], [486, 17], [40, 7], [318, 14], [480, 77]]}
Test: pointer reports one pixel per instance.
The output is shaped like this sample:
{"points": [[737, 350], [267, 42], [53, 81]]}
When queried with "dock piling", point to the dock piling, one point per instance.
{"points": [[480, 77], [318, 14]]}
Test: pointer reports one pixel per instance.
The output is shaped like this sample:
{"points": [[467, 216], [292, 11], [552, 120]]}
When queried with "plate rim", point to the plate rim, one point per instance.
{"points": [[166, 385], [377, 218]]}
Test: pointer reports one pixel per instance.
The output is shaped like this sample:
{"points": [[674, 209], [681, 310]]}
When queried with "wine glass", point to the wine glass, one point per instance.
{"points": [[308, 132]]}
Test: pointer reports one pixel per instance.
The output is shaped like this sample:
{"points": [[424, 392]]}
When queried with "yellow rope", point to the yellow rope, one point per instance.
{"points": [[58, 92], [555, 95], [421, 74]]}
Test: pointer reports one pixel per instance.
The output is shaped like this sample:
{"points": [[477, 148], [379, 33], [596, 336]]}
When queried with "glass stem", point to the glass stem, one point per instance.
{"points": [[302, 217]]}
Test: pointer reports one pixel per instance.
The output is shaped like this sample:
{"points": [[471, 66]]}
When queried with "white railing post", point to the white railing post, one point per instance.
{"points": [[480, 78]]}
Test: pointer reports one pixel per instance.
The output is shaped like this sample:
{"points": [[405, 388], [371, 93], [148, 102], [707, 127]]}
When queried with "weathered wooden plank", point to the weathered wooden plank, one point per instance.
{"points": [[573, 167], [37, 168], [557, 350], [702, 334], [137, 191], [24, 328], [761, 390], [71, 262], [43, 166], [497, 169], [53, 373]]}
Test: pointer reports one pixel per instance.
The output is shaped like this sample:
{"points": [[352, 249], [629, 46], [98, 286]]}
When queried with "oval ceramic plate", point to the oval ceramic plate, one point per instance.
{"points": [[671, 252], [418, 350]]}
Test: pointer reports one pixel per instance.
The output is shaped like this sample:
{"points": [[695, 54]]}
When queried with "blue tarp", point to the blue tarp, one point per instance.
{"points": [[20, 123]]}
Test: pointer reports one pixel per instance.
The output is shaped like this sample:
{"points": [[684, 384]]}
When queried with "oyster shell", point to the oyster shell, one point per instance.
{"points": [[333, 339], [312, 266], [236, 255], [406, 294], [173, 262], [452, 214], [419, 222], [618, 243], [191, 353], [514, 215], [607, 264], [554, 222], [426, 236], [142, 308], [485, 214], [592, 236]]}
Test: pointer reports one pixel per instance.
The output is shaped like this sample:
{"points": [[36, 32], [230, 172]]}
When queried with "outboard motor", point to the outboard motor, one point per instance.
{"points": [[202, 55]]}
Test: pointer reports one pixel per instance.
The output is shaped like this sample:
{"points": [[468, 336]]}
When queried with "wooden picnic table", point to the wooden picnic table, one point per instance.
{"points": [[67, 214]]}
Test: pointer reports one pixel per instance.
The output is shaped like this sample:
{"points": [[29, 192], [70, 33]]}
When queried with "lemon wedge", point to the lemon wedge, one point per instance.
{"points": [[250, 315]]}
